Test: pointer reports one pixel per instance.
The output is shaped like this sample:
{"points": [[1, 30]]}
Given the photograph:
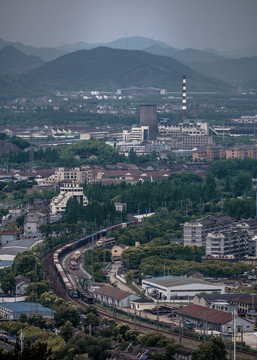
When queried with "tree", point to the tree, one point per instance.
{"points": [[213, 349], [132, 156], [37, 351], [210, 188], [67, 331], [66, 312]]}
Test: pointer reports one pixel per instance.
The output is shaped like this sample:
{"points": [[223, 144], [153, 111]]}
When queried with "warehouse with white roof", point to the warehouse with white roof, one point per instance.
{"points": [[178, 289]]}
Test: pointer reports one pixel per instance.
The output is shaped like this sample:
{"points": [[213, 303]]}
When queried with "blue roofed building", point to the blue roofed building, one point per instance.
{"points": [[13, 310]]}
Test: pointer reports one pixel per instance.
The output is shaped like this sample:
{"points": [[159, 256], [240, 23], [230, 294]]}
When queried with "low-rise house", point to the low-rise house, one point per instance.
{"points": [[113, 296], [117, 251], [245, 305], [32, 222], [13, 248], [9, 235], [212, 319], [20, 285], [208, 299], [13, 310], [142, 304]]}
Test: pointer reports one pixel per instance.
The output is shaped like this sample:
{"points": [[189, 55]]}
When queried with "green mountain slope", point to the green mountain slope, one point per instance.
{"points": [[11, 88], [185, 56], [13, 61], [109, 69], [243, 69]]}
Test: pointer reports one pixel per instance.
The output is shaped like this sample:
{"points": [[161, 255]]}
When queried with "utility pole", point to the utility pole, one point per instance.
{"points": [[22, 340], [234, 335]]}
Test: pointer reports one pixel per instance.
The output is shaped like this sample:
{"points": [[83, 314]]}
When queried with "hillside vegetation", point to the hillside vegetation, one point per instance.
{"points": [[109, 69]]}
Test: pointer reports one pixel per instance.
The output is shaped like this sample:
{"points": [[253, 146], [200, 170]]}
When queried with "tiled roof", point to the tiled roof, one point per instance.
{"points": [[11, 232], [205, 313], [245, 300], [112, 292]]}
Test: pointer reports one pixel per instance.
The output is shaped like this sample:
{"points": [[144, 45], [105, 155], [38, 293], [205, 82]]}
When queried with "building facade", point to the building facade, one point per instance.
{"points": [[228, 242], [137, 133], [68, 189], [195, 232]]}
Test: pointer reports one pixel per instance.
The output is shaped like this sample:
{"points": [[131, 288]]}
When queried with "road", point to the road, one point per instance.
{"points": [[113, 280]]}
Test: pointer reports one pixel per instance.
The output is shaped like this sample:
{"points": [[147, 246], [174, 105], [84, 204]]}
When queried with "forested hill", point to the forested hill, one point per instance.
{"points": [[109, 69], [12, 88]]}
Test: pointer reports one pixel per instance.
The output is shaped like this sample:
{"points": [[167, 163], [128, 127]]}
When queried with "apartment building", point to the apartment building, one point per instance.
{"points": [[137, 133], [186, 135], [195, 232], [227, 242], [79, 174], [209, 153], [67, 190], [241, 152]]}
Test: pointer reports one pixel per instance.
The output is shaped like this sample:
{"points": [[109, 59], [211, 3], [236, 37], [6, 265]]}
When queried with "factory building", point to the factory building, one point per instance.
{"points": [[177, 289]]}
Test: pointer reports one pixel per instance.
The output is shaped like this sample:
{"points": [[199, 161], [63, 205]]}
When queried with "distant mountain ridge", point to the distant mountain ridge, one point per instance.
{"points": [[13, 61], [108, 69], [185, 56], [127, 43], [45, 53]]}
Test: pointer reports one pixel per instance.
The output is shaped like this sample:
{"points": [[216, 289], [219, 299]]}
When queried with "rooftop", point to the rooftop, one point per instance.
{"points": [[206, 314], [170, 281], [112, 292], [23, 306]]}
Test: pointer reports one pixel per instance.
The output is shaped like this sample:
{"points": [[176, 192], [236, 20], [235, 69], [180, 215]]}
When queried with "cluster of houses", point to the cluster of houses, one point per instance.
{"points": [[223, 236]]}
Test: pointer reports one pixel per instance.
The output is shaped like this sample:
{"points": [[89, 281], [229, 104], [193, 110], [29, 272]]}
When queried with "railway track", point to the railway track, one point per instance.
{"points": [[184, 340]]}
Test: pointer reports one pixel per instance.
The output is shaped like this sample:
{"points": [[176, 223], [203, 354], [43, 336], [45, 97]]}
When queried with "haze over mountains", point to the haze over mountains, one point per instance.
{"points": [[134, 61]]}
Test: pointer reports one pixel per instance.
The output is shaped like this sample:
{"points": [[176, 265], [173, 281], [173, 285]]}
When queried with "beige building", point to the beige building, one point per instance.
{"points": [[242, 152], [79, 174], [117, 251], [137, 133], [209, 153], [141, 305]]}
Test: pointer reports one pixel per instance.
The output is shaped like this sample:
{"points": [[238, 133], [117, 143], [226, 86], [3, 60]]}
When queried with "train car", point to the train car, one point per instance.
{"points": [[84, 296], [76, 255], [80, 242], [73, 264]]}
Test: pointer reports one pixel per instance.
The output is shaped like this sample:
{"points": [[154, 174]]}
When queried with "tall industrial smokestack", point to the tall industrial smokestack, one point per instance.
{"points": [[184, 97]]}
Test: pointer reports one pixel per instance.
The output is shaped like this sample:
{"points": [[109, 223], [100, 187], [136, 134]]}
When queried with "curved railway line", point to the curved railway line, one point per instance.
{"points": [[58, 288]]}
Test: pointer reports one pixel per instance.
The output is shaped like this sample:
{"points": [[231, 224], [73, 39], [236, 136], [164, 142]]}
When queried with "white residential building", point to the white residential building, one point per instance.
{"points": [[137, 133], [195, 232], [228, 242], [67, 190]]}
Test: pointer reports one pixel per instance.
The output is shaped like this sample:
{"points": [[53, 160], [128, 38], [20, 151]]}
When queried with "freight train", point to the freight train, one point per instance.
{"points": [[90, 239]]}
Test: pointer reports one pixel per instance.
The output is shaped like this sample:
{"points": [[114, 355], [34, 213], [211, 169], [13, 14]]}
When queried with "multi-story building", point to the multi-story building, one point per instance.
{"points": [[137, 133], [79, 174], [195, 232], [248, 119], [188, 127], [241, 152], [228, 242], [67, 190], [208, 153], [186, 135]]}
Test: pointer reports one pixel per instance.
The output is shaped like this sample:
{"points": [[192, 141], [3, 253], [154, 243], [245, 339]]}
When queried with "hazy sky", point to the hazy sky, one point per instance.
{"points": [[220, 24]]}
